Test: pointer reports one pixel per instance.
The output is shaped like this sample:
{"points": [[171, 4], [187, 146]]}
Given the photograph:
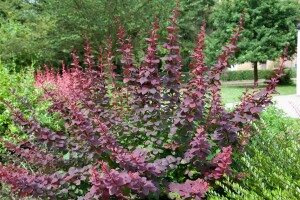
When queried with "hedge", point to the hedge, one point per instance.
{"points": [[246, 75]]}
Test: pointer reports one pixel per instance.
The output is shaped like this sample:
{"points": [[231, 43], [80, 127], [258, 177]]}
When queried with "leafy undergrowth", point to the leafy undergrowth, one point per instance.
{"points": [[151, 137]]}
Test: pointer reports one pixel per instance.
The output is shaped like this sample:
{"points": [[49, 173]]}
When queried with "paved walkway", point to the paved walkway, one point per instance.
{"points": [[288, 103]]}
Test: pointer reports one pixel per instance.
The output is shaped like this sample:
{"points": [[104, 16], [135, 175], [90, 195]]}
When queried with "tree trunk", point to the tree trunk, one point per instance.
{"points": [[255, 72]]}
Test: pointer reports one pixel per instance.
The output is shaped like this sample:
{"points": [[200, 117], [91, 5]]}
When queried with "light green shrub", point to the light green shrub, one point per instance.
{"points": [[271, 162], [17, 88]]}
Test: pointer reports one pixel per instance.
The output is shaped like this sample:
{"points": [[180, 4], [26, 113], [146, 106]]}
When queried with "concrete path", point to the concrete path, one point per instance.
{"points": [[290, 104]]}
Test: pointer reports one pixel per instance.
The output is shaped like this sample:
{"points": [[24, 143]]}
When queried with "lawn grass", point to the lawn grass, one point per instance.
{"points": [[231, 94]]}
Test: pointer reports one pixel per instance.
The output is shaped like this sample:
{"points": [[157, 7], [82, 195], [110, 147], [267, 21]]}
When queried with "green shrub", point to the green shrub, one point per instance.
{"points": [[271, 162], [19, 84]]}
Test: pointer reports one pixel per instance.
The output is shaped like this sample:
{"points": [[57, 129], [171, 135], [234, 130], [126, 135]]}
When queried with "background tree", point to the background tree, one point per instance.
{"points": [[270, 25], [97, 19], [193, 12], [25, 30], [46, 31]]}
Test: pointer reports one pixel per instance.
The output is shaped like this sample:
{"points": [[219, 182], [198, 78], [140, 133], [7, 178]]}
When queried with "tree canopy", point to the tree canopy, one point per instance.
{"points": [[25, 32], [269, 26]]}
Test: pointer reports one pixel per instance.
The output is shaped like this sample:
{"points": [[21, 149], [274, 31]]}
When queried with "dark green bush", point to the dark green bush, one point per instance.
{"points": [[262, 74], [244, 75], [285, 80], [248, 75], [271, 162], [293, 73]]}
